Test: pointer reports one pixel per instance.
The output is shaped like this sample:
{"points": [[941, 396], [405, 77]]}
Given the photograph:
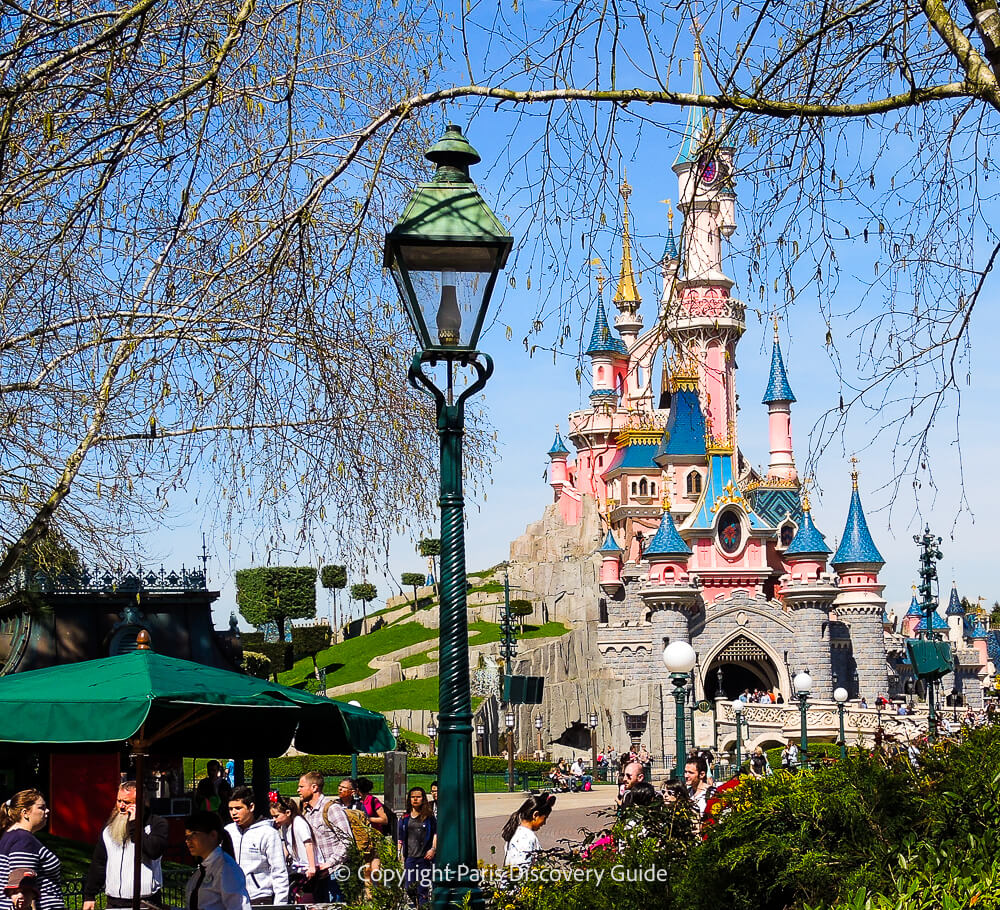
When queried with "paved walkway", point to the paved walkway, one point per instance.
{"points": [[571, 812]]}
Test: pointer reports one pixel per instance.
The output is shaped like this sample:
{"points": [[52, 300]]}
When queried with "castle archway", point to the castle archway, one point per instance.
{"points": [[744, 664]]}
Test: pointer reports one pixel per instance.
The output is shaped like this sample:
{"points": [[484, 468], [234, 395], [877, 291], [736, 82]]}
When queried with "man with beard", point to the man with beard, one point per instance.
{"points": [[111, 869]]}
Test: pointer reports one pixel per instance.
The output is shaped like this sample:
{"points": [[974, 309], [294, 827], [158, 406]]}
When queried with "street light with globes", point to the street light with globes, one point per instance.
{"points": [[803, 686], [738, 707], [679, 659], [840, 697]]}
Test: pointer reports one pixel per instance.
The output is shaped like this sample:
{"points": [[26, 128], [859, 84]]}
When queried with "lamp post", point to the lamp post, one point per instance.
{"points": [[432, 732], [539, 723], [929, 555], [395, 731], [445, 253], [510, 720], [738, 707], [593, 742], [481, 734], [803, 686], [840, 697], [679, 659]]}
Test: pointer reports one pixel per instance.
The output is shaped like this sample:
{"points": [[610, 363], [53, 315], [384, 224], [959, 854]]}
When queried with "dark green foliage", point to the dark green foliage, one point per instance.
{"points": [[364, 591], [276, 594], [789, 838], [308, 641], [256, 664], [279, 653], [818, 752], [429, 546], [412, 579], [521, 608], [251, 639], [331, 576], [290, 766]]}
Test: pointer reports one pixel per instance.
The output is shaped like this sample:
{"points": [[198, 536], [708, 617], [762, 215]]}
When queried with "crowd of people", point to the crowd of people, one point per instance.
{"points": [[292, 850]]}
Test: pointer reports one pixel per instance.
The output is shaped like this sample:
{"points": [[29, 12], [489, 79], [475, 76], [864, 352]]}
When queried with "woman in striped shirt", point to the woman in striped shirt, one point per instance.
{"points": [[22, 815]]}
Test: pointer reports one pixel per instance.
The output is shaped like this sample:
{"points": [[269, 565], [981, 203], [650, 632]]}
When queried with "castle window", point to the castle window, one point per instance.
{"points": [[633, 488], [643, 487], [600, 372], [730, 531], [694, 484], [600, 461], [652, 488], [787, 534]]}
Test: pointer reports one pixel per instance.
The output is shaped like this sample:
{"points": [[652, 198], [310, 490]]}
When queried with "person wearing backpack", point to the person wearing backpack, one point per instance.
{"points": [[332, 830]]}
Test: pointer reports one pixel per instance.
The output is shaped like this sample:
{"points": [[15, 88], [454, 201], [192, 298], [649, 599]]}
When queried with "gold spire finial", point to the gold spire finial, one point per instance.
{"points": [[854, 472], [600, 275], [666, 503], [806, 482], [775, 328], [627, 292]]}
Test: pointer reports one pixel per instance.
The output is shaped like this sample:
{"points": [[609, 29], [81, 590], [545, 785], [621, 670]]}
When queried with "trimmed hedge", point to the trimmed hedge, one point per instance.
{"points": [[330, 765], [334, 577], [276, 594], [308, 641], [816, 751], [256, 664]]}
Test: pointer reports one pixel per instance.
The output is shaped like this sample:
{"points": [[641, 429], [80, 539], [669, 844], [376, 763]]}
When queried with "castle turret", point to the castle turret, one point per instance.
{"points": [[611, 564], [956, 617], [627, 299], [859, 603], [913, 616], [667, 553], [778, 399], [808, 590], [558, 467], [606, 352]]}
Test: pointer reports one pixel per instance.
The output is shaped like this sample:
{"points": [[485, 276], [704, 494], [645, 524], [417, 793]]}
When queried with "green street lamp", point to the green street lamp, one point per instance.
{"points": [[445, 253], [803, 686], [679, 659], [840, 697], [510, 720], [738, 707], [432, 732]]}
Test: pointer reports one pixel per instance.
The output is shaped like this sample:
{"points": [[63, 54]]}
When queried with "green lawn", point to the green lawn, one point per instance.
{"points": [[416, 694], [348, 661]]}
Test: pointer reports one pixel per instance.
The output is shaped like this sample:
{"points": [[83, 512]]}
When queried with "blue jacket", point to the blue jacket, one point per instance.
{"points": [[429, 833]]}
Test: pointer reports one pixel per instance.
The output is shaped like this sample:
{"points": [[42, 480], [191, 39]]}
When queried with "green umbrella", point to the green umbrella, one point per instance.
{"points": [[178, 707]]}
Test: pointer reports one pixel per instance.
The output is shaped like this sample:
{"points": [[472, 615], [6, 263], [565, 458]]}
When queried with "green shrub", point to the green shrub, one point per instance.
{"points": [[333, 577], [279, 653], [256, 664], [291, 766], [789, 838], [276, 594]]}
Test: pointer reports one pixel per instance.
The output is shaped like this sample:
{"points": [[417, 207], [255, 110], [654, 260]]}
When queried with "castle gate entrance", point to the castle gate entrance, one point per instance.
{"points": [[742, 664]]}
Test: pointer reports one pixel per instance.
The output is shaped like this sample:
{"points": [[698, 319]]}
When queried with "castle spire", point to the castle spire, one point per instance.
{"points": [[670, 248], [856, 544], [778, 399], [628, 322], [698, 128]]}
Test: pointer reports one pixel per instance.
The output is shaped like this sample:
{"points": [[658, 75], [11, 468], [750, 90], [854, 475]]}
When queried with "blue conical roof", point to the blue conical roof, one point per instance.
{"points": [[778, 388], [684, 433], [937, 622], [666, 541], [601, 339], [808, 541], [670, 249], [914, 606], [955, 607], [610, 545], [558, 446], [856, 546], [698, 127]]}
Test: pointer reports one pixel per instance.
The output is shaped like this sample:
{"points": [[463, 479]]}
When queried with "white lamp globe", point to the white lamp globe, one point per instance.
{"points": [[679, 657], [356, 704], [738, 706], [840, 695], [803, 683]]}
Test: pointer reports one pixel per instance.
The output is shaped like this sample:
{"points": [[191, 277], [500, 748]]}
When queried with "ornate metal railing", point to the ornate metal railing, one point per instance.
{"points": [[123, 580]]}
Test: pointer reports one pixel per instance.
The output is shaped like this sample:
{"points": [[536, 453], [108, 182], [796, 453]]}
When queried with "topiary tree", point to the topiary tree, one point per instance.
{"points": [[364, 592], [276, 594], [431, 546], [333, 578], [256, 664], [278, 653], [308, 641], [413, 580], [521, 609]]}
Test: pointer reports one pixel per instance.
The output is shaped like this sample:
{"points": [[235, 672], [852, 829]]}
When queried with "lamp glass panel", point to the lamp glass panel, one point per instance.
{"points": [[449, 285]]}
